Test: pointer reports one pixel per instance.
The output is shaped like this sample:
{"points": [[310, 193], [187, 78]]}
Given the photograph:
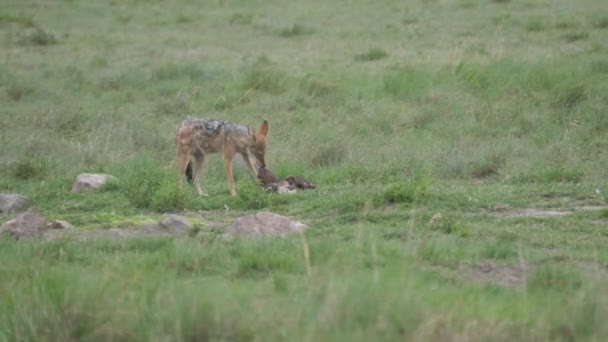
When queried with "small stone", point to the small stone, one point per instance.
{"points": [[13, 203], [264, 224], [90, 181], [24, 226], [176, 224]]}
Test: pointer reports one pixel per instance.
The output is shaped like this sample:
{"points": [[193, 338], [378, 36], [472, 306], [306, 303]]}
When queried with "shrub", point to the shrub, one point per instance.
{"points": [[438, 252], [551, 174], [575, 36], [399, 193], [316, 86], [170, 197], [570, 97], [372, 54], [554, 278], [253, 196], [294, 30], [38, 36], [407, 191], [280, 283], [600, 66], [257, 260], [536, 25], [140, 179], [406, 82], [263, 75], [134, 79], [487, 166], [500, 250], [26, 21], [560, 174], [71, 123], [172, 71], [29, 168], [448, 225], [241, 19], [601, 23], [409, 19], [328, 154], [481, 165]]}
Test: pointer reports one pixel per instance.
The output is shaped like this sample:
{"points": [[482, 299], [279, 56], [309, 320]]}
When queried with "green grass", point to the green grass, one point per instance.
{"points": [[426, 126]]}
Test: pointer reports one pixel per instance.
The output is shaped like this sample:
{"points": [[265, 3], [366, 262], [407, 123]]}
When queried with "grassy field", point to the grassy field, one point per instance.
{"points": [[443, 136]]}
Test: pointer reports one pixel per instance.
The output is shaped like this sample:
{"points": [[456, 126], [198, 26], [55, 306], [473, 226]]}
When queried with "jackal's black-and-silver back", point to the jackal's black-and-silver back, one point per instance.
{"points": [[210, 135]]}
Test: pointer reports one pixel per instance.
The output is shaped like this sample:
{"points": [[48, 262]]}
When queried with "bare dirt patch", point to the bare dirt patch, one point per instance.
{"points": [[539, 212], [490, 271], [515, 276]]}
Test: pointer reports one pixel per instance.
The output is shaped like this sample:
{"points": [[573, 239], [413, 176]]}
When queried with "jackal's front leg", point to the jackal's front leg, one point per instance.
{"points": [[253, 169], [228, 155], [199, 162]]}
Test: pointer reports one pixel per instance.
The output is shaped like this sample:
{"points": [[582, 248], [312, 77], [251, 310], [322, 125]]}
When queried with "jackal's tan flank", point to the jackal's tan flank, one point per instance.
{"points": [[197, 138]]}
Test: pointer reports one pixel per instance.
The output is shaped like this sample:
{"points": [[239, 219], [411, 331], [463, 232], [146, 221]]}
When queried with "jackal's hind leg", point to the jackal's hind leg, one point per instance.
{"points": [[184, 160]]}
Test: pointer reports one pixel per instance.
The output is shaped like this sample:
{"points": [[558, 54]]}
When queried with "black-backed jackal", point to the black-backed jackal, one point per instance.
{"points": [[197, 138]]}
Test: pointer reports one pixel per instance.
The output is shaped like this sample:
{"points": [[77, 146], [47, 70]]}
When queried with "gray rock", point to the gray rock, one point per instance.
{"points": [[176, 224], [170, 224], [110, 233], [264, 224], [154, 227], [13, 203], [120, 232], [90, 181], [25, 226]]}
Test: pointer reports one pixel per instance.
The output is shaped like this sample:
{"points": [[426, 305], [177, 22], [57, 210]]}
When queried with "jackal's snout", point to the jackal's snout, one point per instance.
{"points": [[260, 145]]}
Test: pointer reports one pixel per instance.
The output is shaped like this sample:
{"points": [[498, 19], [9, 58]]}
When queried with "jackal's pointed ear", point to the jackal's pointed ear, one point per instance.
{"points": [[264, 128]]}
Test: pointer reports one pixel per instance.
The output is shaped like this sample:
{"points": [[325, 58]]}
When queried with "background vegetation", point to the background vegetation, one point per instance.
{"points": [[426, 126]]}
